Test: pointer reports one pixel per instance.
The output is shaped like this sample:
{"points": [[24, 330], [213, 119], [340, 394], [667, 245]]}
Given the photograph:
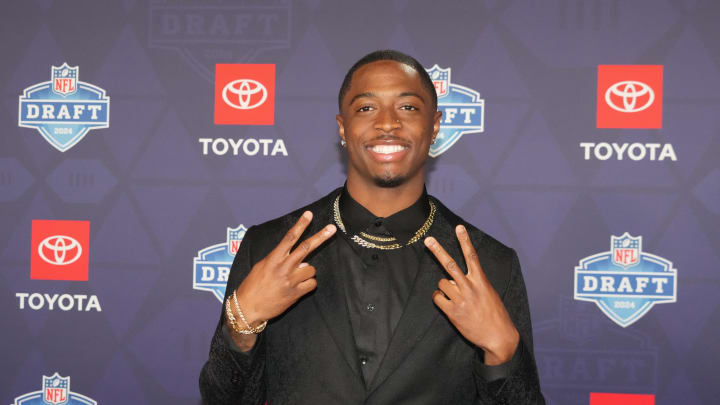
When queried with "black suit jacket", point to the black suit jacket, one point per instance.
{"points": [[308, 356]]}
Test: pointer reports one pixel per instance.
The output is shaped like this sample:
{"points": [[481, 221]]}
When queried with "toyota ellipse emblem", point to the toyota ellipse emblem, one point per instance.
{"points": [[60, 250], [244, 94], [635, 96]]}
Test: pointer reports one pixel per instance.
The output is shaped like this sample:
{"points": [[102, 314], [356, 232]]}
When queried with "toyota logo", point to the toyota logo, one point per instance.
{"points": [[244, 94], [60, 250], [629, 91]]}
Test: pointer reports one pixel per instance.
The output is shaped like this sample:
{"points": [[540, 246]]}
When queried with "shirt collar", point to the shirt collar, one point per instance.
{"points": [[402, 224]]}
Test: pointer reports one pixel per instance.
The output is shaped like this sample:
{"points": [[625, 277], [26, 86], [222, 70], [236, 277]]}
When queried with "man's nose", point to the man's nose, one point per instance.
{"points": [[387, 120]]}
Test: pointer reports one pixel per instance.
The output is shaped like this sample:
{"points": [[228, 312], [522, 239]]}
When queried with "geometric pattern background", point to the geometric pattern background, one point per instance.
{"points": [[154, 199]]}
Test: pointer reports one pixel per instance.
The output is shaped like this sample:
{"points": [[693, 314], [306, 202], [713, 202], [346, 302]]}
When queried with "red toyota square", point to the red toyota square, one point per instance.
{"points": [[245, 94], [60, 250], [598, 398], [629, 96]]}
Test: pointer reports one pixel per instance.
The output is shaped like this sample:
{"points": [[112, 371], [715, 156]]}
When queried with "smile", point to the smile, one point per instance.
{"points": [[387, 149], [388, 153]]}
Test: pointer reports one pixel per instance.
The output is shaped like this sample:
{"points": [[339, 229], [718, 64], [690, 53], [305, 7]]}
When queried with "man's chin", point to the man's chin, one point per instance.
{"points": [[389, 182]]}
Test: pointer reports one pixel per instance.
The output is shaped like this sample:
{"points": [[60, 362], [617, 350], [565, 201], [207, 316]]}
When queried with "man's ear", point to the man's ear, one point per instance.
{"points": [[436, 123], [341, 126]]}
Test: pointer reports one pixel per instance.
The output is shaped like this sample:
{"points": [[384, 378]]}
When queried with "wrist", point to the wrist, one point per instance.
{"points": [[249, 311], [237, 320], [503, 352]]}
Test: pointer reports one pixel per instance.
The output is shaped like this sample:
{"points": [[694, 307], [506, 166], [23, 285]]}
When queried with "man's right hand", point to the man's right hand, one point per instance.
{"points": [[280, 278]]}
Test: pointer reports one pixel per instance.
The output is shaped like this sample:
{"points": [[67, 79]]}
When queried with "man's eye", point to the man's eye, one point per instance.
{"points": [[364, 108], [409, 108]]}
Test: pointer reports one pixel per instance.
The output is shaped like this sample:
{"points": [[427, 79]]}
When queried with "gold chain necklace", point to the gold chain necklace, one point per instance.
{"points": [[377, 238], [367, 244]]}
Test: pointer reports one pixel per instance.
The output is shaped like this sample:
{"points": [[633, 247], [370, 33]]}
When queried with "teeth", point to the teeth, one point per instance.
{"points": [[385, 149]]}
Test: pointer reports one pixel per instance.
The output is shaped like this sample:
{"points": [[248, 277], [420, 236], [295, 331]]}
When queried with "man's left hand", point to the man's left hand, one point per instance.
{"points": [[471, 303]]}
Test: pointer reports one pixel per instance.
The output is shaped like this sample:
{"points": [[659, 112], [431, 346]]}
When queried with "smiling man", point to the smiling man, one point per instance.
{"points": [[376, 293]]}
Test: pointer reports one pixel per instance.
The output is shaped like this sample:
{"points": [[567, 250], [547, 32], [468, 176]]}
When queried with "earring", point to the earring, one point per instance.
{"points": [[433, 141], [343, 143]]}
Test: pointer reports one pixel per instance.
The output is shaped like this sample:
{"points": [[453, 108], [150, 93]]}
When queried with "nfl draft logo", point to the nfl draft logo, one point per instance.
{"points": [[55, 391], [211, 266], [625, 282], [463, 111], [64, 109], [207, 32]]}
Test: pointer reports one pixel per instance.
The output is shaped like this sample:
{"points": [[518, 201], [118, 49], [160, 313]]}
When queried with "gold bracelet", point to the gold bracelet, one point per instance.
{"points": [[233, 322], [242, 316], [236, 327], [231, 318]]}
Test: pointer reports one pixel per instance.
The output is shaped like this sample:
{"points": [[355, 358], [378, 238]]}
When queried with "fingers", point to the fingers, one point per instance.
{"points": [[471, 257], [450, 289], [306, 286], [442, 302], [292, 235], [447, 262], [301, 273], [309, 244]]}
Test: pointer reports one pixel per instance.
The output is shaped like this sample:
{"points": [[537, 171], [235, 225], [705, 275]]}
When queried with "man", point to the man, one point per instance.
{"points": [[376, 293]]}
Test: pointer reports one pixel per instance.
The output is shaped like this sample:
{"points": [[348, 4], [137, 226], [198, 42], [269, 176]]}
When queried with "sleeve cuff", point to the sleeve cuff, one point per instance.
{"points": [[500, 371], [232, 346]]}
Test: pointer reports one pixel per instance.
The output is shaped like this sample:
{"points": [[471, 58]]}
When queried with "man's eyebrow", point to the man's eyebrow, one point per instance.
{"points": [[403, 94], [357, 96], [411, 94]]}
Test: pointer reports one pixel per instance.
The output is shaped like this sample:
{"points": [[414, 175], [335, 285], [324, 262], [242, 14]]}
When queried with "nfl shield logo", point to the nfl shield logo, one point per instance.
{"points": [[234, 237], [56, 389], [461, 107], [441, 80], [626, 250], [64, 80]]}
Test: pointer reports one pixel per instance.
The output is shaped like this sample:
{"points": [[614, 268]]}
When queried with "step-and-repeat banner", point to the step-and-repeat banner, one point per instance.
{"points": [[140, 139]]}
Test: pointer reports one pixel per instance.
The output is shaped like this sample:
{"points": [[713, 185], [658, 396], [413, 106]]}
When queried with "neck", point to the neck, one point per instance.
{"points": [[385, 201]]}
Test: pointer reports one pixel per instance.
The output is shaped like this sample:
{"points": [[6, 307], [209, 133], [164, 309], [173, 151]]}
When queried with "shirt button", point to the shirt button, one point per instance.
{"points": [[363, 360], [370, 307], [374, 256], [378, 223]]}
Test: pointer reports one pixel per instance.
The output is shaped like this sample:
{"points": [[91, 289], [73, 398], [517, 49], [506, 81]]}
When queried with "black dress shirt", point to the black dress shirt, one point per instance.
{"points": [[378, 282]]}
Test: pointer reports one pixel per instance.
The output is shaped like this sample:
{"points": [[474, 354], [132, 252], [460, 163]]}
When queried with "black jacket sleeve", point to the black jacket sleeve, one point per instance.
{"points": [[230, 376], [515, 382]]}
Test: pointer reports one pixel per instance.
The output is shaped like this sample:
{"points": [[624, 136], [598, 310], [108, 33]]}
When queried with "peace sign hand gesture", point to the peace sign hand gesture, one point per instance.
{"points": [[280, 278], [471, 303]]}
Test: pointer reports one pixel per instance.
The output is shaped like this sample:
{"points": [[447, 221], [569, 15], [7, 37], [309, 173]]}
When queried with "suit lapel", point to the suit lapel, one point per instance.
{"points": [[420, 310], [329, 296]]}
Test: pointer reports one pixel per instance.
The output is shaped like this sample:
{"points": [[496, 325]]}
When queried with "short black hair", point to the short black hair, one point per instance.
{"points": [[388, 54]]}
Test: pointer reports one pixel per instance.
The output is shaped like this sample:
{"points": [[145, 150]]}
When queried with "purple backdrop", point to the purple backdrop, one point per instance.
{"points": [[155, 200]]}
